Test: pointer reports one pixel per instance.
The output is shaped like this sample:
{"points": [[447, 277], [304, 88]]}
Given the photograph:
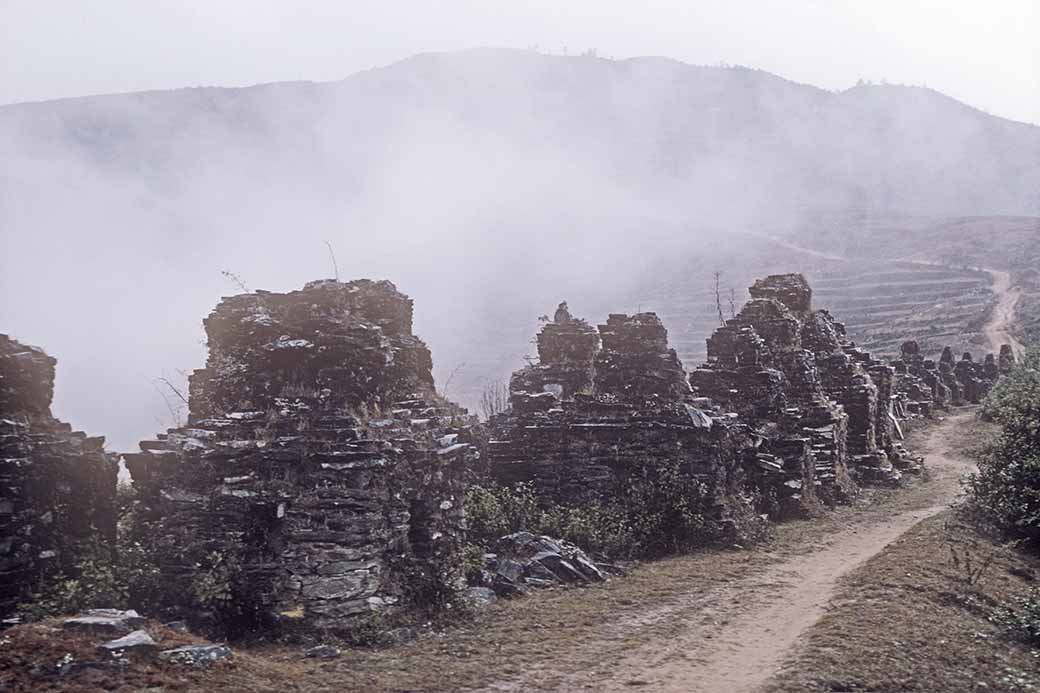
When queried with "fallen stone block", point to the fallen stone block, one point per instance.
{"points": [[138, 642], [196, 655]]}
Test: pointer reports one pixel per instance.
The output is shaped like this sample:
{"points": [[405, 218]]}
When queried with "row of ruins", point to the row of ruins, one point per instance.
{"points": [[320, 462]]}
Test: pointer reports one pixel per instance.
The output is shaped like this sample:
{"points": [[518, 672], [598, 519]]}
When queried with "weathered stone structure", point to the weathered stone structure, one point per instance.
{"points": [[320, 476], [820, 418], [632, 412], [57, 486], [922, 385]]}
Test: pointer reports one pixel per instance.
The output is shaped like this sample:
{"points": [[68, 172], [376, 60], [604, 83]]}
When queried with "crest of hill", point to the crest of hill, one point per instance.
{"points": [[655, 121]]}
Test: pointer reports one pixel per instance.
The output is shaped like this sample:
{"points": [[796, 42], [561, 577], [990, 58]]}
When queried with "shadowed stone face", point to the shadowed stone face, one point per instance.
{"points": [[57, 486]]}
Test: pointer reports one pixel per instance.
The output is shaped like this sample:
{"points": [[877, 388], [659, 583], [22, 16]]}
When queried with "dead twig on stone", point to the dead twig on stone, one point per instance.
{"points": [[451, 377], [335, 265], [718, 299], [494, 399], [236, 279]]}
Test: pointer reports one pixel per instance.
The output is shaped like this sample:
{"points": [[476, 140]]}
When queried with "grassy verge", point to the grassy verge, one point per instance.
{"points": [[914, 619], [923, 614]]}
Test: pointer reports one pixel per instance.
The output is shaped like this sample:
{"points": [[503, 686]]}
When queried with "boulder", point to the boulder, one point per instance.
{"points": [[526, 560], [138, 642]]}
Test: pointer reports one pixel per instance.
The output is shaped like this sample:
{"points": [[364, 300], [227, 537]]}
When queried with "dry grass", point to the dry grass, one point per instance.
{"points": [[30, 655], [909, 621], [916, 617]]}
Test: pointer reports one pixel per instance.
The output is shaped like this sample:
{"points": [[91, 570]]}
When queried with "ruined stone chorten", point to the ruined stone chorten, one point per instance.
{"points": [[319, 474], [633, 411], [57, 486]]}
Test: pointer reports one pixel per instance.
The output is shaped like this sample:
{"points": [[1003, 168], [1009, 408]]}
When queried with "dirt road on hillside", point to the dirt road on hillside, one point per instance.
{"points": [[732, 637], [997, 328]]}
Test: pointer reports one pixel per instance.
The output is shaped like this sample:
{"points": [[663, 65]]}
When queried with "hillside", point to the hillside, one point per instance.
{"points": [[488, 184]]}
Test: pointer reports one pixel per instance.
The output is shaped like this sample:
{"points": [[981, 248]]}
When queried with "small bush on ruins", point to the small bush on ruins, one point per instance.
{"points": [[658, 511], [1005, 492], [124, 575], [494, 399], [492, 511]]}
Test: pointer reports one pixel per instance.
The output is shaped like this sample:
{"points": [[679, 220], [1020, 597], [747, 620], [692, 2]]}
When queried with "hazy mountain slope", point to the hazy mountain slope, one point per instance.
{"points": [[488, 184]]}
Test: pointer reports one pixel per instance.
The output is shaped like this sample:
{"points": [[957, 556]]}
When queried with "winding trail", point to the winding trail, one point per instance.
{"points": [[998, 328], [733, 637], [751, 647]]}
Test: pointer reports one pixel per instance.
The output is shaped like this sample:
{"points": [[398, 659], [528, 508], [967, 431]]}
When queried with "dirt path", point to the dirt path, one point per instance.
{"points": [[732, 637], [997, 328]]}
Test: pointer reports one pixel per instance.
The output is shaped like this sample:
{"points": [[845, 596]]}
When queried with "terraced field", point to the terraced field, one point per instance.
{"points": [[884, 305]]}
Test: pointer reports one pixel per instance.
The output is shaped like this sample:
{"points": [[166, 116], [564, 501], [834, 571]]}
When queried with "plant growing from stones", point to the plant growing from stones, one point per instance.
{"points": [[123, 575], [970, 558], [494, 399]]}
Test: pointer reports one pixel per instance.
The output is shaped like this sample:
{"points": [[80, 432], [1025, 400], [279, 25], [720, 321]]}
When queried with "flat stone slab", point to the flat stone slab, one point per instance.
{"points": [[137, 641], [105, 621], [196, 655], [322, 652]]}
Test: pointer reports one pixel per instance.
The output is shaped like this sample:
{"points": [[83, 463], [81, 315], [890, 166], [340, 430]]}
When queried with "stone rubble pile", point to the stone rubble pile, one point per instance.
{"points": [[128, 636], [819, 409], [57, 486], [320, 476], [523, 560]]}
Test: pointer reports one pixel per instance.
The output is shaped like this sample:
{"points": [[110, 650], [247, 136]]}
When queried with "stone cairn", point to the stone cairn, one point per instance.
{"points": [[921, 385], [600, 405], [57, 486], [787, 371], [826, 411], [319, 476]]}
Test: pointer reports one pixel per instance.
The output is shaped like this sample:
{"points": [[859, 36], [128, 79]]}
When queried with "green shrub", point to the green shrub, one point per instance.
{"points": [[657, 508], [1021, 619], [597, 528], [492, 511], [472, 561], [1005, 492], [122, 576], [668, 511]]}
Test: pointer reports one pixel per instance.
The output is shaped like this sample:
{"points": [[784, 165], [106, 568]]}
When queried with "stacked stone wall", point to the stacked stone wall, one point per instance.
{"points": [[57, 486], [320, 475]]}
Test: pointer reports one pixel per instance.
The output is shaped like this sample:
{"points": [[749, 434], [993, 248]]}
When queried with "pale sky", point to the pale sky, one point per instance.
{"points": [[981, 52]]}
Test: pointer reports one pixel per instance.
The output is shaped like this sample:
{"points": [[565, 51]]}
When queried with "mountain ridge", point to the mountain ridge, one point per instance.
{"points": [[491, 50]]}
